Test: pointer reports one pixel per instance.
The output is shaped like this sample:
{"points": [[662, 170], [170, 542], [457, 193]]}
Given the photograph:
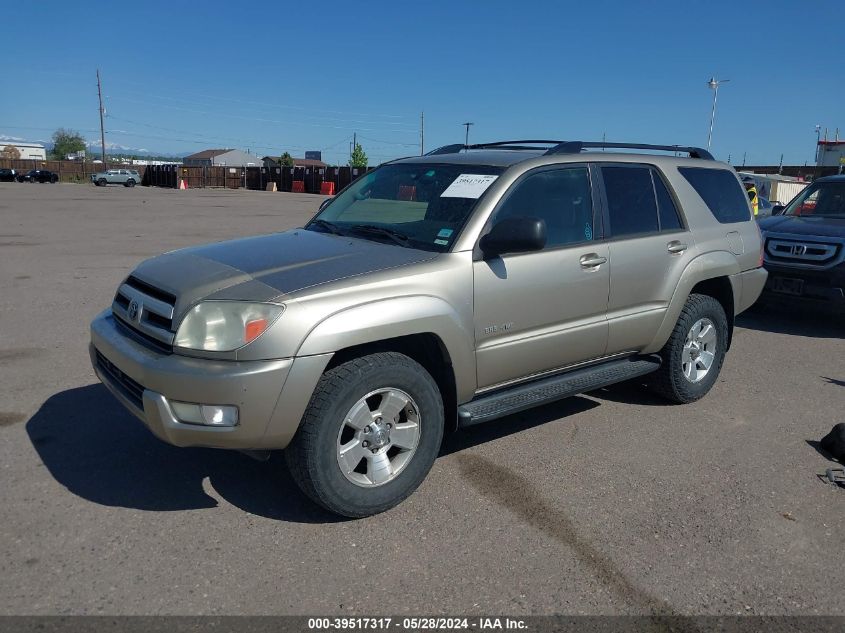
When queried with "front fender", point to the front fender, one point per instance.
{"points": [[709, 265], [395, 317]]}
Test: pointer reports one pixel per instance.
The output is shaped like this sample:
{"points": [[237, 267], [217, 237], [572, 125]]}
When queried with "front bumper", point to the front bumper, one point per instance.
{"points": [[806, 285], [146, 381]]}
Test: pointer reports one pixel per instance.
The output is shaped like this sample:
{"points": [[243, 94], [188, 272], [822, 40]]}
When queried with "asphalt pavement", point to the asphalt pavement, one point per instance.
{"points": [[608, 503]]}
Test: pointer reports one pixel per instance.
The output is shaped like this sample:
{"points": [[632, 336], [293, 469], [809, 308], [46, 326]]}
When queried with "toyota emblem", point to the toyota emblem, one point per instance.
{"points": [[133, 310]]}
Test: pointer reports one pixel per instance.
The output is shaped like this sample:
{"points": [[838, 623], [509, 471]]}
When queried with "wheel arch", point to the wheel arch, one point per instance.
{"points": [[426, 348], [713, 274]]}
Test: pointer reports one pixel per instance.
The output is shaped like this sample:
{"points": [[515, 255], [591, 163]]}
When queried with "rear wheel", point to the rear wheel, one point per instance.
{"points": [[369, 436], [693, 356]]}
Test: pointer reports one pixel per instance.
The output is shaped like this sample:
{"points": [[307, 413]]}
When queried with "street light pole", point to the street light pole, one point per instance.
{"points": [[818, 138], [713, 84], [467, 124]]}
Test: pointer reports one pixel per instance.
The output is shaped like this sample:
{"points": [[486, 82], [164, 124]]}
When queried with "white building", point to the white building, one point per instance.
{"points": [[831, 153], [29, 151]]}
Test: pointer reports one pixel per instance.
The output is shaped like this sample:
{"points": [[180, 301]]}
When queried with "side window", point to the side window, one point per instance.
{"points": [[721, 192], [630, 200], [561, 197], [669, 219]]}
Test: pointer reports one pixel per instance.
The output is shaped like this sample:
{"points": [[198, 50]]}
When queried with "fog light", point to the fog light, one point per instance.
{"points": [[205, 414]]}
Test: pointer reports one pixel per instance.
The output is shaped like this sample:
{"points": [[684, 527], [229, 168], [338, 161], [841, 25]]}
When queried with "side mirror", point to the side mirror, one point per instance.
{"points": [[778, 209], [514, 235]]}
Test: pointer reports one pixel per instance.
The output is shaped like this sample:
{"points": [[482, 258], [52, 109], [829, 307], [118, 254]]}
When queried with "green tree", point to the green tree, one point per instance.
{"points": [[358, 158], [66, 142], [286, 160]]}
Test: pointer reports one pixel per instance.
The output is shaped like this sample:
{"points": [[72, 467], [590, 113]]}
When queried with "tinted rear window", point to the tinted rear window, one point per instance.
{"points": [[630, 200], [720, 190]]}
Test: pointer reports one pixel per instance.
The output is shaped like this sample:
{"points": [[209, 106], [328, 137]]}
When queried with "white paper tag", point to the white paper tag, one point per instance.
{"points": [[468, 186]]}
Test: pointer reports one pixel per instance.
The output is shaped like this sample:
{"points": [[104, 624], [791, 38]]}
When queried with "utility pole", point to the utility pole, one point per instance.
{"points": [[102, 128], [467, 124], [354, 141], [422, 133]]}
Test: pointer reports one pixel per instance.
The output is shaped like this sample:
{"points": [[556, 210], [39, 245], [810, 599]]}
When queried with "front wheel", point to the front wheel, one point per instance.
{"points": [[369, 435], [101, 182], [693, 356]]}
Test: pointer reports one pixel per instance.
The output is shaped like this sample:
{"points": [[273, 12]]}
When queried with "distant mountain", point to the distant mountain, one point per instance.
{"points": [[93, 147]]}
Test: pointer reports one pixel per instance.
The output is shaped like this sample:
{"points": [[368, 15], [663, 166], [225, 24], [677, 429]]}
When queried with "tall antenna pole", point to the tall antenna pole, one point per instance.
{"points": [[714, 84], [467, 124], [422, 133], [102, 128]]}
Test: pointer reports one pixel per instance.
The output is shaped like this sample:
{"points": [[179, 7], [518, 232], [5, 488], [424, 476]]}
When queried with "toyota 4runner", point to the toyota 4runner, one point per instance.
{"points": [[432, 293]]}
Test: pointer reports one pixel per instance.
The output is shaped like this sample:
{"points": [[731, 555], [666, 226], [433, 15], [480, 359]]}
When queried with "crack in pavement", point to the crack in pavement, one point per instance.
{"points": [[519, 496]]}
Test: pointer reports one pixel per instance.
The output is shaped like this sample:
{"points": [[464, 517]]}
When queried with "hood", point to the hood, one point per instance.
{"points": [[804, 225], [269, 266]]}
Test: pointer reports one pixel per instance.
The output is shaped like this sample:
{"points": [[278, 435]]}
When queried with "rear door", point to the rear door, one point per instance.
{"points": [[540, 311], [649, 248]]}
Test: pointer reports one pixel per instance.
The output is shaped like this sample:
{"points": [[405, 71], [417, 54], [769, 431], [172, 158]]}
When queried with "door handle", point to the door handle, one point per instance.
{"points": [[675, 247], [592, 260]]}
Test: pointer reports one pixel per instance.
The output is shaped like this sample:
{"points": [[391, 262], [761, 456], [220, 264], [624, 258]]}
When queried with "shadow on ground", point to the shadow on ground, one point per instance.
{"points": [[795, 320], [99, 451]]}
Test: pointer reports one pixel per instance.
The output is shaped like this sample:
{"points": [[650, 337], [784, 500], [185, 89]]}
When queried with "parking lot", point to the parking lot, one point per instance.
{"points": [[611, 502]]}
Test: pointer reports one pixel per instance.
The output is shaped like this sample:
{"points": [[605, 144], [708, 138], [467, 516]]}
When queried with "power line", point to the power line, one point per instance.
{"points": [[254, 119], [306, 116]]}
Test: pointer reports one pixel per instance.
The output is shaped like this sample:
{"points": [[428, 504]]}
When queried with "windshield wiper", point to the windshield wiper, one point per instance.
{"points": [[396, 236], [329, 226]]}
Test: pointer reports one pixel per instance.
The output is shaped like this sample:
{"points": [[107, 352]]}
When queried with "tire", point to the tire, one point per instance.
{"points": [[343, 412], [129, 183], [102, 182], [683, 377]]}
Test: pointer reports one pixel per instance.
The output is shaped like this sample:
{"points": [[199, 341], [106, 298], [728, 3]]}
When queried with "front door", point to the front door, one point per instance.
{"points": [[539, 311]]}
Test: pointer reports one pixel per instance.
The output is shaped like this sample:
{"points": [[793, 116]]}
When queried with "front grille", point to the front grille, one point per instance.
{"points": [[152, 291], [147, 311], [132, 390], [801, 251]]}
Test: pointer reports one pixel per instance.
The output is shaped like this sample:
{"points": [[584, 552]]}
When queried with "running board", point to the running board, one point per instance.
{"points": [[544, 390]]}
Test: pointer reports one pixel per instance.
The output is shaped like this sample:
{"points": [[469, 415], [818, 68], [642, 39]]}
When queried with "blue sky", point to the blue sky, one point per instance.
{"points": [[269, 77]]}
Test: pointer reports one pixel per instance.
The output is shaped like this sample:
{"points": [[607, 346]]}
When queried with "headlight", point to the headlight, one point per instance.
{"points": [[223, 326]]}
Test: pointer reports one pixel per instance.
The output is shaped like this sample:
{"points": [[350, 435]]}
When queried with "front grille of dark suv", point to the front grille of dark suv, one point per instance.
{"points": [[800, 251], [147, 312], [132, 390]]}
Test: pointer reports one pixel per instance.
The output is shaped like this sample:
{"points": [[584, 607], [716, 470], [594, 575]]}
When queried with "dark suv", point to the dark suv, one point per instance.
{"points": [[805, 246], [38, 175]]}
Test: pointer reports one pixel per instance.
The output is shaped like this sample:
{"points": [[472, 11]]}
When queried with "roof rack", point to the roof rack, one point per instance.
{"points": [[570, 147], [510, 145], [575, 147]]}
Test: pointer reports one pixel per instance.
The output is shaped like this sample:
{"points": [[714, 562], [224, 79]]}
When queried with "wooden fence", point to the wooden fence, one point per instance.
{"points": [[200, 177], [68, 170], [312, 178]]}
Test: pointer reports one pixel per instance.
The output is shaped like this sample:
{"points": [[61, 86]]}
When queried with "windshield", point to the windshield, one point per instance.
{"points": [[825, 199], [416, 205]]}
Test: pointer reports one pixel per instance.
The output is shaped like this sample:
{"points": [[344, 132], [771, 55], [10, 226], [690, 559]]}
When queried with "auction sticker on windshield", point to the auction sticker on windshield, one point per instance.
{"points": [[468, 186]]}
